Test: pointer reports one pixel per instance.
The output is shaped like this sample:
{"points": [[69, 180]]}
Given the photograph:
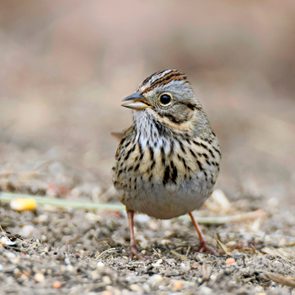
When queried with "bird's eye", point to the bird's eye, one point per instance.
{"points": [[165, 99]]}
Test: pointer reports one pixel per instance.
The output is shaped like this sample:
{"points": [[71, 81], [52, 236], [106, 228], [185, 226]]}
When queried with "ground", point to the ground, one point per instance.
{"points": [[69, 250], [77, 251]]}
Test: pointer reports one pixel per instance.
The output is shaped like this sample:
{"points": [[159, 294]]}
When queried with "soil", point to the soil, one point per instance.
{"points": [[71, 251], [77, 251]]}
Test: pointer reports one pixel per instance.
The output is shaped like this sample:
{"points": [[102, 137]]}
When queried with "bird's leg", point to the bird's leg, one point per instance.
{"points": [[203, 245], [133, 247]]}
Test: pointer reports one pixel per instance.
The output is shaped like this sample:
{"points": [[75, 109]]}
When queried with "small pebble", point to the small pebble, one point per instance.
{"points": [[24, 277], [91, 217], [39, 277], [100, 265], [95, 275], [158, 263], [43, 218], [27, 230], [153, 225], [230, 261], [107, 280], [10, 255], [112, 291], [155, 280], [142, 218], [177, 285], [185, 266], [259, 290], [136, 288], [195, 265], [165, 242], [205, 290], [70, 268], [56, 285], [43, 238]]}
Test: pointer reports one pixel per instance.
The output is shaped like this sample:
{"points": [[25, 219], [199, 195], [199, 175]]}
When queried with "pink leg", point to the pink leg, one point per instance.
{"points": [[203, 245], [133, 247]]}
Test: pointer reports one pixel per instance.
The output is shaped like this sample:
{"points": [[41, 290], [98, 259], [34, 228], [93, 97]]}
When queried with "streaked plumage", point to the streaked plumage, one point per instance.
{"points": [[167, 162]]}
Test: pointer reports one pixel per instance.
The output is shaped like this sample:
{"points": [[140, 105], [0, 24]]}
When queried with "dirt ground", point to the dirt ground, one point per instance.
{"points": [[65, 69], [71, 251]]}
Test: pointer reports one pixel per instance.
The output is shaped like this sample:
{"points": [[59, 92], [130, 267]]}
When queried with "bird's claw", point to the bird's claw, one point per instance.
{"points": [[204, 248], [134, 253]]}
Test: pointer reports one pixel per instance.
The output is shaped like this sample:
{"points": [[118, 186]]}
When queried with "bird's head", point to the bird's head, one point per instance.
{"points": [[169, 97]]}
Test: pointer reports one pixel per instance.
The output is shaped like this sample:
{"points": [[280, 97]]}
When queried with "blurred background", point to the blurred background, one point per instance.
{"points": [[66, 65]]}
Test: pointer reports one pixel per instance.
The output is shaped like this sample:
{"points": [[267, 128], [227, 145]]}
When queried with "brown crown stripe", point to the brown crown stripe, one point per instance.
{"points": [[164, 82], [146, 80], [174, 75], [166, 76]]}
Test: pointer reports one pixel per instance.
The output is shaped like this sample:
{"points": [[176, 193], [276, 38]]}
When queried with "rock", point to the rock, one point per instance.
{"points": [[100, 266], [205, 290], [56, 285], [177, 285], [158, 263], [27, 230], [155, 280], [136, 288], [39, 277]]}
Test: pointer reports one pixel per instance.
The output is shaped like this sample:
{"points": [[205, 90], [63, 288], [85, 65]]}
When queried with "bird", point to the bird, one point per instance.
{"points": [[168, 160]]}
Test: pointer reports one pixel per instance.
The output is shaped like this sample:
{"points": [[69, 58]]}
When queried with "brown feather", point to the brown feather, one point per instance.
{"points": [[118, 135]]}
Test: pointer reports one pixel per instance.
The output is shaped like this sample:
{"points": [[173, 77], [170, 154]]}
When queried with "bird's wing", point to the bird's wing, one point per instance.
{"points": [[120, 135]]}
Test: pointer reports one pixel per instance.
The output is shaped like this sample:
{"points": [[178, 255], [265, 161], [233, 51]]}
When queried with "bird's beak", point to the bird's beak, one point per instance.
{"points": [[135, 101]]}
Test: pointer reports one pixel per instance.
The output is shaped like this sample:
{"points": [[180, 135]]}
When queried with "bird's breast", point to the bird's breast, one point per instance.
{"points": [[165, 174]]}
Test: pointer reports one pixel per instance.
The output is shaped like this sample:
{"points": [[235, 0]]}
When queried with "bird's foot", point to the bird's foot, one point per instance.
{"points": [[204, 248], [134, 253]]}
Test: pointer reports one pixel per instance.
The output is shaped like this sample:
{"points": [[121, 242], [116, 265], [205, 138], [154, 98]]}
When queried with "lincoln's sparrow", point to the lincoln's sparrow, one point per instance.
{"points": [[168, 160]]}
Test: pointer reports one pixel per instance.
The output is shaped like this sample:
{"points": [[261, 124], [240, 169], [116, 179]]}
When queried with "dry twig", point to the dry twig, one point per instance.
{"points": [[86, 204], [280, 279]]}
